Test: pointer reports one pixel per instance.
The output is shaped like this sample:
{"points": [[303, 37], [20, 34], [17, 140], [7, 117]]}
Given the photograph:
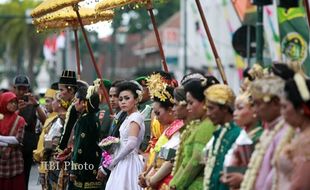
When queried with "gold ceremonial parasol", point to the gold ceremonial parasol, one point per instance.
{"points": [[49, 6], [111, 4], [67, 17]]}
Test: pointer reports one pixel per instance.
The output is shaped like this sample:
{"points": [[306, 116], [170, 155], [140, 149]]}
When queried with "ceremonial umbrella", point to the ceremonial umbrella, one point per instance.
{"points": [[55, 14]]}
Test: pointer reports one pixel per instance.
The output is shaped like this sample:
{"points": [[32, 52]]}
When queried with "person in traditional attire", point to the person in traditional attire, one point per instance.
{"points": [[239, 155], [11, 136], [120, 116], [156, 129], [157, 175], [105, 114], [265, 93], [51, 140], [291, 160], [188, 168], [68, 86], [126, 164], [145, 107], [86, 151], [38, 154], [220, 105]]}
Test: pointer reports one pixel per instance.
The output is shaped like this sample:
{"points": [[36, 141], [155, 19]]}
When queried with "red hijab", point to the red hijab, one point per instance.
{"points": [[9, 117]]}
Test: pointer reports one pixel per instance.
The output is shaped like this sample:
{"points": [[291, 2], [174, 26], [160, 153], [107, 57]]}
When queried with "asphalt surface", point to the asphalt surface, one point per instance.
{"points": [[33, 181]]}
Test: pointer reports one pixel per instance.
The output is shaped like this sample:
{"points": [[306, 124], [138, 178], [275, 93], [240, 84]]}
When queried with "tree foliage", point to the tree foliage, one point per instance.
{"points": [[18, 37], [139, 20]]}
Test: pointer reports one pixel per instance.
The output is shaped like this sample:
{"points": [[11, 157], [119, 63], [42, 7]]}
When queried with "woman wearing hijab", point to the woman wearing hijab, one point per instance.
{"points": [[11, 135]]}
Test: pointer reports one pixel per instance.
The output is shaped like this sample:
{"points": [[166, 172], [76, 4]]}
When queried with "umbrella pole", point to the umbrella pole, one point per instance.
{"points": [[160, 46], [217, 58], [308, 11], [77, 53], [105, 92]]}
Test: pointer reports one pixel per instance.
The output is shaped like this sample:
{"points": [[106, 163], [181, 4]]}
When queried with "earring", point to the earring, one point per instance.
{"points": [[254, 115]]}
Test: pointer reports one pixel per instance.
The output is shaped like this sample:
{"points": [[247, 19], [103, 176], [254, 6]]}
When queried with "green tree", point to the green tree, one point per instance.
{"points": [[19, 37], [139, 20]]}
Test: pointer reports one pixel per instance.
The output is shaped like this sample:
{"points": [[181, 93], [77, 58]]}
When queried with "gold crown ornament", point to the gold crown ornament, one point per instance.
{"points": [[158, 88]]}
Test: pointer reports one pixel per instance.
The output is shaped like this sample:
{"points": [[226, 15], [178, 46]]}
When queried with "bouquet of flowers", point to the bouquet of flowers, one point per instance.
{"points": [[108, 145]]}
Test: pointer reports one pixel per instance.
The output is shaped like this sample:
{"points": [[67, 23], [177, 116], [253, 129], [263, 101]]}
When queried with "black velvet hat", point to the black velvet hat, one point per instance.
{"points": [[68, 78]]}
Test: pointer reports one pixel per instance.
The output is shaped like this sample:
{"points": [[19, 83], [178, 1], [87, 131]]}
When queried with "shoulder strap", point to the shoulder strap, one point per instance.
{"points": [[14, 126]]}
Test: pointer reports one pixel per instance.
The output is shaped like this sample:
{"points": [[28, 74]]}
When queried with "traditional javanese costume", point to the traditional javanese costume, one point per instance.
{"points": [[11, 158], [39, 153], [223, 138], [86, 152], [188, 168], [260, 173], [173, 131]]}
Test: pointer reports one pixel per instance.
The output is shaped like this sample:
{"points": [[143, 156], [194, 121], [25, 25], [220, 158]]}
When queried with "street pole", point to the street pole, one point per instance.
{"points": [[260, 35]]}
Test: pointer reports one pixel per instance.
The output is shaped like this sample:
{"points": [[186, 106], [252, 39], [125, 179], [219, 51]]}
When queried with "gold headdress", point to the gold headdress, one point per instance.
{"points": [[50, 93], [158, 88], [220, 94], [267, 87]]}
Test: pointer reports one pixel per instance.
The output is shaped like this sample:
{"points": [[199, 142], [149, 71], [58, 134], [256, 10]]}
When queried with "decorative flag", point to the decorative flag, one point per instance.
{"points": [[294, 35]]}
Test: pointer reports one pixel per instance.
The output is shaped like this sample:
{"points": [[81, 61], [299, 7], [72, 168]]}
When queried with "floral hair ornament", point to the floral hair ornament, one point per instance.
{"points": [[158, 88], [94, 88], [302, 87], [267, 87], [245, 97], [140, 91]]}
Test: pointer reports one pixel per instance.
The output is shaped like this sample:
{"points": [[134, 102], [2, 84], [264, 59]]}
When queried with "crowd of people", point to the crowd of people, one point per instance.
{"points": [[154, 132]]}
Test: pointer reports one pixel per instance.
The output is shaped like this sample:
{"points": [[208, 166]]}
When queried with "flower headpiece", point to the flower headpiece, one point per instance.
{"points": [[92, 89], [302, 87], [256, 72], [140, 91], [267, 87], [245, 97], [158, 88]]}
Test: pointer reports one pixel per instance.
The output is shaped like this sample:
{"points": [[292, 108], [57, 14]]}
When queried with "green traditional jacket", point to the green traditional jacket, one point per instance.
{"points": [[106, 122], [86, 150], [189, 170], [228, 140], [147, 123]]}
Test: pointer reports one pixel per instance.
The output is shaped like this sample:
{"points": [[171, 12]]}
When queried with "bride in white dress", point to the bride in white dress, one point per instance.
{"points": [[126, 165]]}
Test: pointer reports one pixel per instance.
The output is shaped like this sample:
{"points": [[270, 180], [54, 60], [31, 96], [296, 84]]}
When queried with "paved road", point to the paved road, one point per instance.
{"points": [[33, 181]]}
